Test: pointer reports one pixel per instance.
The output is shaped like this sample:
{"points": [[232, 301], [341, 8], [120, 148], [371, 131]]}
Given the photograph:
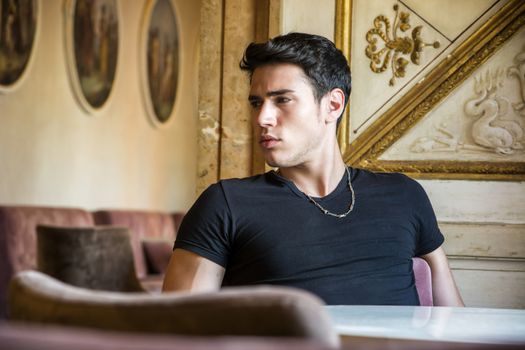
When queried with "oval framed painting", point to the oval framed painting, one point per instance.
{"points": [[159, 60], [19, 20], [92, 41]]}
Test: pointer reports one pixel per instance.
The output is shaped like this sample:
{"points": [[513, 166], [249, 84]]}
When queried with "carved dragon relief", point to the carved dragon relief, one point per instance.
{"points": [[497, 127], [490, 130], [393, 45]]}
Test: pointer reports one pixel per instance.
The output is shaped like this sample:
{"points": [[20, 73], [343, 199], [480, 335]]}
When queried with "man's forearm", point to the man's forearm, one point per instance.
{"points": [[444, 289]]}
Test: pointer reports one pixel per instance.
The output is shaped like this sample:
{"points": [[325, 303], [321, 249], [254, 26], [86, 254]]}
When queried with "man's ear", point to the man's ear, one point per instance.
{"points": [[335, 104]]}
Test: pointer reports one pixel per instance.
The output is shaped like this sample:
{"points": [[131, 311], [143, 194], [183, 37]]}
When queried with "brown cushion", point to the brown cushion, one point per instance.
{"points": [[91, 257], [157, 253]]}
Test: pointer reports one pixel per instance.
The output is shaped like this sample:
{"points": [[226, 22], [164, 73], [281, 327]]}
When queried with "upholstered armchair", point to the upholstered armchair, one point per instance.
{"points": [[423, 278], [237, 311]]}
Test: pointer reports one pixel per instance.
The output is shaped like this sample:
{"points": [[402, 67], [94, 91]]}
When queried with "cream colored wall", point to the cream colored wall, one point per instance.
{"points": [[309, 16], [53, 153]]}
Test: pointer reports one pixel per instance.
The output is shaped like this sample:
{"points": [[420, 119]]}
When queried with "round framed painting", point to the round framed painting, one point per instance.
{"points": [[92, 40], [18, 30], [160, 59]]}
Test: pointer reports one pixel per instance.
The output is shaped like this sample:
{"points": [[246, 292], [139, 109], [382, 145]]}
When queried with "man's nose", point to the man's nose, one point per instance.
{"points": [[266, 115]]}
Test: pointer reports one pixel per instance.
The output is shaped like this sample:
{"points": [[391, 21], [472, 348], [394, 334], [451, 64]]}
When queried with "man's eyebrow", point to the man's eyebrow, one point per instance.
{"points": [[270, 94], [278, 92]]}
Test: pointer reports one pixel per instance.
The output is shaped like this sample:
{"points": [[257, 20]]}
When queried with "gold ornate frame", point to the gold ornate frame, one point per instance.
{"points": [[72, 66], [10, 87], [364, 152], [143, 64]]}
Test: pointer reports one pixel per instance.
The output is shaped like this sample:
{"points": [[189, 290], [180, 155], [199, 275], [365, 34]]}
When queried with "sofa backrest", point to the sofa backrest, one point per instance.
{"points": [[18, 237], [143, 225]]}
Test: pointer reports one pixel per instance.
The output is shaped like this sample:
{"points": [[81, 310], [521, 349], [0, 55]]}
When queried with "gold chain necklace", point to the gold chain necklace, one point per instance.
{"points": [[327, 212]]}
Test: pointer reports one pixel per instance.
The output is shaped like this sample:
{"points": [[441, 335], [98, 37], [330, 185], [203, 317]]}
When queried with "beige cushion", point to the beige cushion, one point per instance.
{"points": [[246, 311]]}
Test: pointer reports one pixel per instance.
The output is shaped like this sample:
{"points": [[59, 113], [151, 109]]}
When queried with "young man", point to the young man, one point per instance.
{"points": [[347, 235]]}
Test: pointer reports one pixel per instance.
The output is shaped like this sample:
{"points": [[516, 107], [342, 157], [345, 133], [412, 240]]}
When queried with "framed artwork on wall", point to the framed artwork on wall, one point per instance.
{"points": [[159, 60], [18, 29], [92, 41]]}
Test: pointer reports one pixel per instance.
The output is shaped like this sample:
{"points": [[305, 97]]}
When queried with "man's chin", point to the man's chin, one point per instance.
{"points": [[275, 163], [273, 159], [272, 163]]}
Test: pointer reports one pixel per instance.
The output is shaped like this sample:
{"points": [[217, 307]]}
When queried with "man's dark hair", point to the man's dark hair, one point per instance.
{"points": [[324, 65]]}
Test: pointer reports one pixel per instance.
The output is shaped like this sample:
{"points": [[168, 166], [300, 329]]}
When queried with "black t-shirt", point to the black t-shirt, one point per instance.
{"points": [[263, 230]]}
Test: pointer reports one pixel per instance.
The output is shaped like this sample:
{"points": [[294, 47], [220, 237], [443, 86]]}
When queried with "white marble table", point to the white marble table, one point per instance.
{"points": [[466, 325]]}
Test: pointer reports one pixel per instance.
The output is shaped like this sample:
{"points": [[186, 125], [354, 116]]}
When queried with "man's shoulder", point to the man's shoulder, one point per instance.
{"points": [[395, 185], [217, 198], [251, 183], [243, 181], [240, 183], [383, 178]]}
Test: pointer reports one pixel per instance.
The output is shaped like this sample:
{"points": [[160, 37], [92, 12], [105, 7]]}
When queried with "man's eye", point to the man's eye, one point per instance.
{"points": [[255, 103], [283, 100]]}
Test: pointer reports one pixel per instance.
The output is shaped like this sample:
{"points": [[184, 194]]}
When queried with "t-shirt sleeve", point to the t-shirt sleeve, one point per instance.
{"points": [[429, 236], [207, 226]]}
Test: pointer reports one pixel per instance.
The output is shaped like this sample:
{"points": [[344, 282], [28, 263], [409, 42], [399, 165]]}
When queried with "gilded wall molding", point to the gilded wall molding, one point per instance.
{"points": [[387, 46], [450, 169], [343, 32], [424, 96]]}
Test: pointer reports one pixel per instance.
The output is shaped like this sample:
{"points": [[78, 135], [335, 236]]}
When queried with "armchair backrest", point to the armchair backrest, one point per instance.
{"points": [[423, 277], [235, 311]]}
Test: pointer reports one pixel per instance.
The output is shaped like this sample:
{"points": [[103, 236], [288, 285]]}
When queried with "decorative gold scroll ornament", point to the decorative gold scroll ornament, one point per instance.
{"points": [[394, 46]]}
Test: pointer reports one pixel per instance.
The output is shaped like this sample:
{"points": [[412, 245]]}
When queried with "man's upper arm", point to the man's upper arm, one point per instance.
{"points": [[188, 271], [444, 289]]}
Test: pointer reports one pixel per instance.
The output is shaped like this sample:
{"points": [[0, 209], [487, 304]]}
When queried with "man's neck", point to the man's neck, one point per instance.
{"points": [[317, 179]]}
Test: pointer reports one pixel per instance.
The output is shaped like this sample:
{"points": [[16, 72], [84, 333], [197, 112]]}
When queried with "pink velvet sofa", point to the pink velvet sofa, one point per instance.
{"points": [[152, 235], [18, 237]]}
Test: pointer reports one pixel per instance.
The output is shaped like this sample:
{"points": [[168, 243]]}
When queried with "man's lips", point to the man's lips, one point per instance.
{"points": [[268, 141]]}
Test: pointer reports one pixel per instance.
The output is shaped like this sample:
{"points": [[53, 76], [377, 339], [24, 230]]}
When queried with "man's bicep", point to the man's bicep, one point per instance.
{"points": [[188, 271]]}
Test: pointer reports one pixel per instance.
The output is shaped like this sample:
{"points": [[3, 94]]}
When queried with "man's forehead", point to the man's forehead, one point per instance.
{"points": [[283, 77], [281, 67]]}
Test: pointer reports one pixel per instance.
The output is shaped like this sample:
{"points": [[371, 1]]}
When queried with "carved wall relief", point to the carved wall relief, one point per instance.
{"points": [[519, 71], [493, 121], [491, 130], [386, 45]]}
